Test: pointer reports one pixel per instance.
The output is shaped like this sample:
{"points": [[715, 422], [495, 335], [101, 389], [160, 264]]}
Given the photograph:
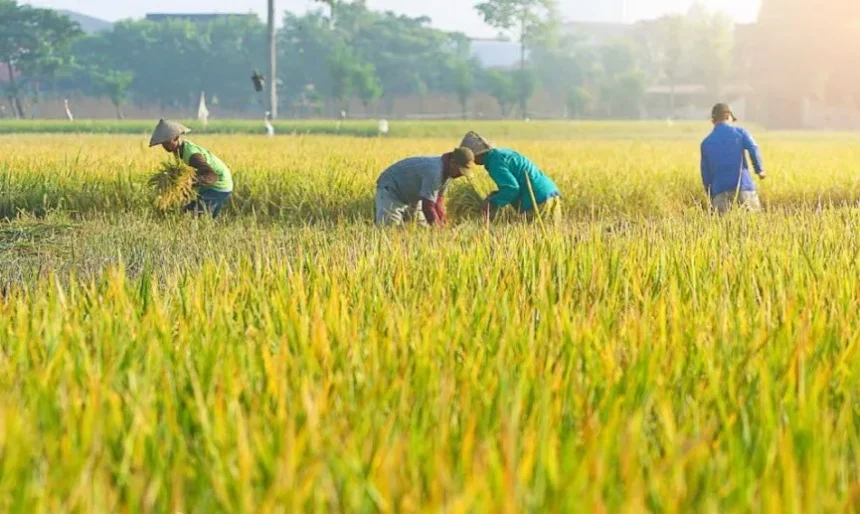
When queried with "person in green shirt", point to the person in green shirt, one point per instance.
{"points": [[521, 184], [213, 180]]}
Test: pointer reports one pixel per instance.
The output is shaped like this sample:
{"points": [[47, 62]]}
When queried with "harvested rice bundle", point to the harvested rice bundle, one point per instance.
{"points": [[471, 198], [173, 185], [466, 200]]}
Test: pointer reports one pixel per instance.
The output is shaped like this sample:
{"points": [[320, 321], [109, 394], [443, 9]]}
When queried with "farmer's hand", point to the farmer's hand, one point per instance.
{"points": [[762, 175]]}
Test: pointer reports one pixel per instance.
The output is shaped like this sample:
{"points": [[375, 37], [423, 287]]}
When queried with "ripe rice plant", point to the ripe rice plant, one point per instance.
{"points": [[643, 356], [172, 185]]}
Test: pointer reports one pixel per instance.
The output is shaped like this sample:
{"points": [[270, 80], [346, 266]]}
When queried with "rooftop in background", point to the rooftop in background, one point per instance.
{"points": [[88, 24], [197, 18]]}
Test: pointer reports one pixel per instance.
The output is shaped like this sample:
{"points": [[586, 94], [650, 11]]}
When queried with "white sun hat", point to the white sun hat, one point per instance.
{"points": [[167, 131], [476, 143]]}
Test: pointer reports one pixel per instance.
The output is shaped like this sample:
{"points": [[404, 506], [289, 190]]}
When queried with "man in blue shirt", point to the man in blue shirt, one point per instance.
{"points": [[725, 172]]}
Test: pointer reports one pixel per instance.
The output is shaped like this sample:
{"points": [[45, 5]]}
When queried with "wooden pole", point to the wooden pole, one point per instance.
{"points": [[273, 63]]}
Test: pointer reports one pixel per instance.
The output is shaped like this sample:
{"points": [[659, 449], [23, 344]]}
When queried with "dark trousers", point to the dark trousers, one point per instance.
{"points": [[208, 201]]}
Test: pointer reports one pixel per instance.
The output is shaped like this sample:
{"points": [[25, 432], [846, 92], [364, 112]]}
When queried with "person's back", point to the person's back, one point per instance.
{"points": [[224, 182], [724, 152], [414, 178], [501, 162], [414, 188], [725, 169]]}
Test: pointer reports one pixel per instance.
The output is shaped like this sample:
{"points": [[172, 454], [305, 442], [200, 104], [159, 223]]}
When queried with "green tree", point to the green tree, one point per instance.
{"points": [[342, 68], [34, 42], [666, 49], [712, 49], [624, 94], [232, 47], [56, 35], [168, 59], [17, 39], [618, 57], [367, 84], [525, 84], [500, 85], [113, 85], [409, 57], [464, 83], [305, 45], [622, 82], [563, 65], [462, 72], [527, 21], [173, 61], [579, 102], [332, 6]]}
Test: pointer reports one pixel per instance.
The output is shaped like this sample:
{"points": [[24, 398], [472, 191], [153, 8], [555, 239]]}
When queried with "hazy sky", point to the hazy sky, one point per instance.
{"points": [[446, 14]]}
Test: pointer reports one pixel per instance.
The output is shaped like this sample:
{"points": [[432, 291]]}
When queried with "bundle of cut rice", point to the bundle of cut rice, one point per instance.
{"points": [[467, 200], [472, 198], [172, 185]]}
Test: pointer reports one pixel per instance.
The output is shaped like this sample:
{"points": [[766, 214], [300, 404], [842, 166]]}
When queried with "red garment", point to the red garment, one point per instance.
{"points": [[434, 212]]}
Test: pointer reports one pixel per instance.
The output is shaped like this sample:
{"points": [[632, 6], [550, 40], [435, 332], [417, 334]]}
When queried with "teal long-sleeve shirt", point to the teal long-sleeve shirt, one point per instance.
{"points": [[510, 171]]}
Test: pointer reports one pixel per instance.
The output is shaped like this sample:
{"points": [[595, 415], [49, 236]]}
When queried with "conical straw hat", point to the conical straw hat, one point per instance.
{"points": [[476, 143], [167, 131]]}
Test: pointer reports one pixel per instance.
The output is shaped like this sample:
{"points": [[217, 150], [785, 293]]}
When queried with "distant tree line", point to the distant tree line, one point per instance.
{"points": [[345, 53]]}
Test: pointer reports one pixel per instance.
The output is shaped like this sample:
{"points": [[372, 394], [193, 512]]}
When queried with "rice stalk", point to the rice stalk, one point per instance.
{"points": [[467, 199], [172, 185]]}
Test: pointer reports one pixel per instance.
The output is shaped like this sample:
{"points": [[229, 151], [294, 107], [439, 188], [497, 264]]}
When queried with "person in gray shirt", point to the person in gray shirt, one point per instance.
{"points": [[414, 189]]}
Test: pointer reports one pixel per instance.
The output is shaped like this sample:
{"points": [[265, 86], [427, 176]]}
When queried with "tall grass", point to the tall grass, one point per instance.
{"points": [[643, 356]]}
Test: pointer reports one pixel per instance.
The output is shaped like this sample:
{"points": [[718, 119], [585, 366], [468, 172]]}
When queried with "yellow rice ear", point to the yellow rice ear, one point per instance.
{"points": [[172, 185]]}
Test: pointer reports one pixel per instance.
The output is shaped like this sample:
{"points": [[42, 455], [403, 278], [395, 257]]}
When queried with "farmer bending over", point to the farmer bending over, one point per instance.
{"points": [[521, 184], [213, 181], [725, 172], [414, 189]]}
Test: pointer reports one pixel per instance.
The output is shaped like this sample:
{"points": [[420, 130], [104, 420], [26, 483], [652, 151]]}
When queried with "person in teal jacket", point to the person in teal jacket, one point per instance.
{"points": [[521, 184]]}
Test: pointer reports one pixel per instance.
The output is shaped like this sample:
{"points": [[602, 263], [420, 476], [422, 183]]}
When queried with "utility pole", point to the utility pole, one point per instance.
{"points": [[273, 62]]}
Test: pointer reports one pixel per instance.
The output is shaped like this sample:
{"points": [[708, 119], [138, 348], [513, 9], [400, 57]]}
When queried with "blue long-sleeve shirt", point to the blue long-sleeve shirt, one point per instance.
{"points": [[513, 172], [724, 160]]}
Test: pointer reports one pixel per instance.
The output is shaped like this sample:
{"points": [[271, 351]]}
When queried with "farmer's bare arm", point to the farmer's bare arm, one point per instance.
{"points": [[206, 176], [440, 207]]}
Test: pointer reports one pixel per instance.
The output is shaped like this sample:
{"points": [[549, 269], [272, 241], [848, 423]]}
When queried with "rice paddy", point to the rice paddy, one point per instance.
{"points": [[644, 356]]}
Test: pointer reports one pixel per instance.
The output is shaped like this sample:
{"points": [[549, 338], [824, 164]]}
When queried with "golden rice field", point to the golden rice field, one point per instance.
{"points": [[645, 356]]}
